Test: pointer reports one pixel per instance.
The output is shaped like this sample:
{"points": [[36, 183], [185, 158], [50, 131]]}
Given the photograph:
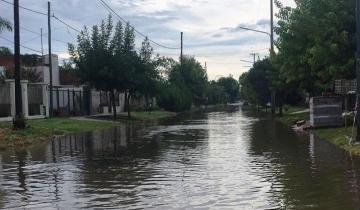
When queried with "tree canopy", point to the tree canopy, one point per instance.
{"points": [[316, 45]]}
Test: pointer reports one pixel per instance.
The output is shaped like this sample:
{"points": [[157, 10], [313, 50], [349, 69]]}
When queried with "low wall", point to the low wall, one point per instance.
{"points": [[326, 111]]}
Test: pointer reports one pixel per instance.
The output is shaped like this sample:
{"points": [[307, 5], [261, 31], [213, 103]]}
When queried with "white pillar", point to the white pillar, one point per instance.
{"points": [[24, 95], [45, 100], [11, 82]]}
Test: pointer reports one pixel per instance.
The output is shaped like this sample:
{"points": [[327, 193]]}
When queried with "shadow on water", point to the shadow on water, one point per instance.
{"points": [[223, 158]]}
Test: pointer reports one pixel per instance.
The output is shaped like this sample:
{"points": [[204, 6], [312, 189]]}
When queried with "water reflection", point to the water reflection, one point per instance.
{"points": [[220, 159]]}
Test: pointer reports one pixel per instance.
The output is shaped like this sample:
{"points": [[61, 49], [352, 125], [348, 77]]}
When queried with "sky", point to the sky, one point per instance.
{"points": [[210, 27]]}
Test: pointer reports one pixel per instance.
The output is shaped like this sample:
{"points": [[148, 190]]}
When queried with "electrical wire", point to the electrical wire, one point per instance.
{"points": [[66, 24], [31, 49], [111, 10], [30, 10]]}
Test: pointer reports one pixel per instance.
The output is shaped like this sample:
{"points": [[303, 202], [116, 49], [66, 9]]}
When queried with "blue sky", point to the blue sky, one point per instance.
{"points": [[209, 26]]}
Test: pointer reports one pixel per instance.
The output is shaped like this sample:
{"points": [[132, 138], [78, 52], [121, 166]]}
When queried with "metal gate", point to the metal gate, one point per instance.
{"points": [[70, 102], [35, 99], [5, 101]]}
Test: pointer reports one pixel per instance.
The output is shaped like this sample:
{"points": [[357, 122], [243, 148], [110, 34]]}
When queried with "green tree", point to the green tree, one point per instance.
{"points": [[94, 58], [5, 25], [191, 76], [316, 43], [215, 93], [231, 87], [4, 51], [255, 84], [68, 74]]}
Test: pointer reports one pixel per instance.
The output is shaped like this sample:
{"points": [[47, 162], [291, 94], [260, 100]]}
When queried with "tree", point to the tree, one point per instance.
{"points": [[27, 73], [5, 25], [94, 57], [255, 85], [107, 60], [316, 43], [215, 93], [148, 74], [231, 87], [4, 51], [190, 75], [68, 74]]}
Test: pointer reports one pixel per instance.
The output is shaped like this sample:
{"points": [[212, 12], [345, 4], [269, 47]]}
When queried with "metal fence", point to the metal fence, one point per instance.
{"points": [[105, 99], [70, 102], [5, 101], [35, 99]]}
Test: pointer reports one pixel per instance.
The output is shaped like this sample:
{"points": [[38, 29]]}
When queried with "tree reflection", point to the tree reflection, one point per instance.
{"points": [[304, 172]]}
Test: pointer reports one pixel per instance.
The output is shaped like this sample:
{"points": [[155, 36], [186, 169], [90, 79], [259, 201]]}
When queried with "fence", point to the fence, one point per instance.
{"points": [[35, 99], [105, 99], [70, 101], [5, 100]]}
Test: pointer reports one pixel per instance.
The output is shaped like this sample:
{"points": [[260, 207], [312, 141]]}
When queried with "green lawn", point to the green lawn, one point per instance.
{"points": [[145, 116], [290, 118], [40, 130]]}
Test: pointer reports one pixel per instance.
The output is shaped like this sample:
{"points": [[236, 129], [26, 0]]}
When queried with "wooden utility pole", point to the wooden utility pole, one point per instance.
{"points": [[50, 63], [254, 55], [181, 53], [273, 92], [358, 69], [19, 120], [42, 45]]}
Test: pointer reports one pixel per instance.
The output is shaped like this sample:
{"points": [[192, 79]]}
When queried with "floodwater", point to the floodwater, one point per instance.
{"points": [[223, 159]]}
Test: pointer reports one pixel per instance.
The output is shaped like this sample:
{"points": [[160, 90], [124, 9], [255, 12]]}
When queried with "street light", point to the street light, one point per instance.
{"points": [[271, 35], [254, 30]]}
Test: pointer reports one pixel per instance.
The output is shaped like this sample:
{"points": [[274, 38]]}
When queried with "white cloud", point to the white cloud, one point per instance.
{"points": [[162, 21]]}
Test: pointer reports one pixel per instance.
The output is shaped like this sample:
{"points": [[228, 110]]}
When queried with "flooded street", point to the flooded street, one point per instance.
{"points": [[223, 159]]}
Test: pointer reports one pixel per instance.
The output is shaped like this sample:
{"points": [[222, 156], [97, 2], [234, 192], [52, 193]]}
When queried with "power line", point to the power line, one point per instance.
{"points": [[20, 45], [63, 22], [41, 13], [107, 7], [30, 10]]}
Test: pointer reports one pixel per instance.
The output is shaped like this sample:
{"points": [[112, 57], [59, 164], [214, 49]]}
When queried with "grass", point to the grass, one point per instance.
{"points": [[38, 131], [42, 130], [337, 136], [290, 118], [146, 116]]}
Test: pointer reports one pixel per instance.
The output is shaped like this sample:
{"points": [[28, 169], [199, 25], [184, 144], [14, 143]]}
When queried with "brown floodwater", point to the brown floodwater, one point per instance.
{"points": [[221, 159]]}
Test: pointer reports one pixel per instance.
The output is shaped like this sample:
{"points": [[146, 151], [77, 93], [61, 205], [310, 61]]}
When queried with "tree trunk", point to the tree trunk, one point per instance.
{"points": [[280, 107], [125, 103], [128, 105], [113, 103]]}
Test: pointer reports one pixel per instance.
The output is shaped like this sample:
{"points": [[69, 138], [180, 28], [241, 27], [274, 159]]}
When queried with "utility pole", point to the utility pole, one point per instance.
{"points": [[181, 54], [358, 70], [272, 25], [50, 62], [42, 45], [19, 120], [205, 66], [273, 93], [254, 54]]}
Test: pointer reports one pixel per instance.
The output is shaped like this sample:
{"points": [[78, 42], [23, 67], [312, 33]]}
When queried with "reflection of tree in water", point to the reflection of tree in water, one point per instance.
{"points": [[2, 192], [118, 161], [304, 173]]}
